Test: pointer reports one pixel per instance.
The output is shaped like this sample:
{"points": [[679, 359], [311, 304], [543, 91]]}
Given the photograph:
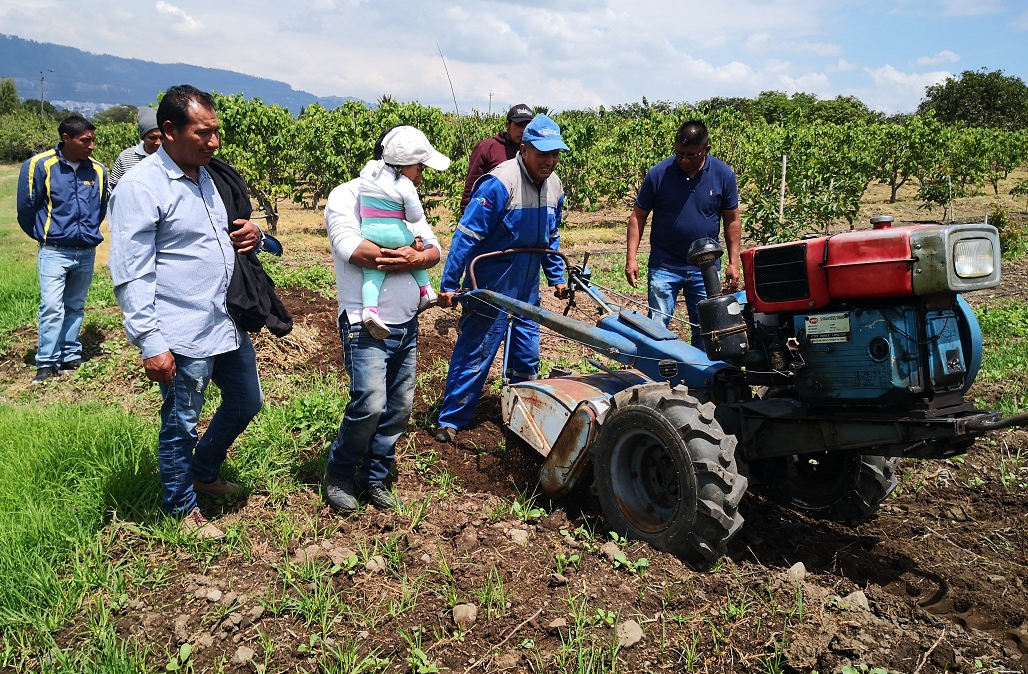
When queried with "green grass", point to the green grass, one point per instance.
{"points": [[314, 277], [1005, 332], [609, 271], [62, 469], [1009, 320], [289, 438], [19, 283]]}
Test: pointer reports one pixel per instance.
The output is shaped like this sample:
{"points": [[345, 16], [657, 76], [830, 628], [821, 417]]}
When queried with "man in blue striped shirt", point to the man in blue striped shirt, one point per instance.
{"points": [[171, 261]]}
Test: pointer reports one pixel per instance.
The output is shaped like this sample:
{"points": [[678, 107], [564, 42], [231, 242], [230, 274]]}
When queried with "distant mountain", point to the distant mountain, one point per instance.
{"points": [[90, 82]]}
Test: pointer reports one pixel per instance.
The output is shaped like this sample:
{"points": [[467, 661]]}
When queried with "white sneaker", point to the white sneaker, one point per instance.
{"points": [[373, 324], [429, 299]]}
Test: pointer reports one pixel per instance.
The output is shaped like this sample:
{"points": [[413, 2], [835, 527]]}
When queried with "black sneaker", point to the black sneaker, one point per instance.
{"points": [[381, 498], [340, 495], [445, 434], [73, 364], [44, 373]]}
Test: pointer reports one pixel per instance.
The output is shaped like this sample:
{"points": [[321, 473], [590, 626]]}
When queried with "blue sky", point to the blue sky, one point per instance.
{"points": [[558, 53]]}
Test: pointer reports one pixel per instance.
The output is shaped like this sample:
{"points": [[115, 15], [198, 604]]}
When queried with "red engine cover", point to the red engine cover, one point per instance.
{"points": [[855, 265]]}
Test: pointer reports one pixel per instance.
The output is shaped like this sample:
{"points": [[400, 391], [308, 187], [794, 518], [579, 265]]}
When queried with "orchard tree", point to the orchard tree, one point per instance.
{"points": [[1006, 152], [930, 160], [329, 147], [22, 135], [979, 99], [843, 110], [776, 107], [827, 170], [255, 139], [112, 138], [117, 114], [630, 146], [582, 131], [9, 101], [31, 106]]}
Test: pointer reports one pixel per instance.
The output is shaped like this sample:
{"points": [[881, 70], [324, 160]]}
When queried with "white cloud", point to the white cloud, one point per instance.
{"points": [[184, 25], [761, 43], [896, 91], [571, 54], [815, 48], [758, 43], [811, 83], [944, 56]]}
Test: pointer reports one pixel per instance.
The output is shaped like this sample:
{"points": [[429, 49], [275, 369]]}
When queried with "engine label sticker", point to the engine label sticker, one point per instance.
{"points": [[828, 328]]}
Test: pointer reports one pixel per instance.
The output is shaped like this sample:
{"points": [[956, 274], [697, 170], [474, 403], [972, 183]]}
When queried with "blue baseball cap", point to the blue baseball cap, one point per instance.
{"points": [[544, 134]]}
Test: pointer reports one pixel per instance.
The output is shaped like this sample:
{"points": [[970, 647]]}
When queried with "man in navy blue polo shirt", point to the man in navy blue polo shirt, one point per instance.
{"points": [[691, 195]]}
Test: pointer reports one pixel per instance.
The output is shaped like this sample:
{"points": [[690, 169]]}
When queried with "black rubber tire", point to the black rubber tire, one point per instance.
{"points": [[841, 486], [666, 473]]}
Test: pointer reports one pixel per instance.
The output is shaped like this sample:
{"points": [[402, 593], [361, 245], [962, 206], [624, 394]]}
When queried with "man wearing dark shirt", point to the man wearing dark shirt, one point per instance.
{"points": [[495, 150], [691, 195]]}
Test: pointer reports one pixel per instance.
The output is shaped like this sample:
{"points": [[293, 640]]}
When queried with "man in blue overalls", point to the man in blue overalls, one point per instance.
{"points": [[517, 205]]}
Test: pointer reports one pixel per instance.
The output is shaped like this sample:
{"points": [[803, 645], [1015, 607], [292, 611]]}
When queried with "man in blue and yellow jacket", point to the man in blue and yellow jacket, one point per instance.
{"points": [[62, 199]]}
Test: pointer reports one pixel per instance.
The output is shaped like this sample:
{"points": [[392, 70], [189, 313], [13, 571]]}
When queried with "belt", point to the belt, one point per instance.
{"points": [[54, 245]]}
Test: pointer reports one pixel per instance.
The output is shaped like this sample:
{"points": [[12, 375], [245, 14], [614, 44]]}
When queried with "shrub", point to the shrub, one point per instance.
{"points": [[1013, 236], [23, 135]]}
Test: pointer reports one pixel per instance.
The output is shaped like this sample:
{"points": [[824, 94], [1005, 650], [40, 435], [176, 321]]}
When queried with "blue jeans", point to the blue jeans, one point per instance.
{"points": [[64, 278], [473, 354], [181, 458], [664, 287], [381, 398]]}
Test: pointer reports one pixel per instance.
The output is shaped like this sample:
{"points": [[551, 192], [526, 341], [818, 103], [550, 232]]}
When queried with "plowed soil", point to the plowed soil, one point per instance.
{"points": [[936, 582]]}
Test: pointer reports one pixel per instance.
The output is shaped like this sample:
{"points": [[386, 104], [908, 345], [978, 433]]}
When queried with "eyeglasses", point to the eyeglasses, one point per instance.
{"points": [[689, 155]]}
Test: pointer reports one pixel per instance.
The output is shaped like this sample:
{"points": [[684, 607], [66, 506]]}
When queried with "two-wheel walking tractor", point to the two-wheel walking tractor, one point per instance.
{"points": [[842, 355]]}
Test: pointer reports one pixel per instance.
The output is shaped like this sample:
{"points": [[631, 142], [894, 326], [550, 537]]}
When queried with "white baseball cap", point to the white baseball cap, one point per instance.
{"points": [[406, 145]]}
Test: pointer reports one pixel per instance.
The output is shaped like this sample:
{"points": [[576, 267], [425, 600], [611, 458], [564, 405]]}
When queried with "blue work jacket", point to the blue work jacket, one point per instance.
{"points": [[60, 205], [508, 210]]}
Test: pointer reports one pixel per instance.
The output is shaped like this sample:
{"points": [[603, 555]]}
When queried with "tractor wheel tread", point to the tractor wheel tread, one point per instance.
{"points": [[850, 492], [709, 486]]}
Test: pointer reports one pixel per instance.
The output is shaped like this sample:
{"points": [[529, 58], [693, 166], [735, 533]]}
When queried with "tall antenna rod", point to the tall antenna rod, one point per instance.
{"points": [[460, 122]]}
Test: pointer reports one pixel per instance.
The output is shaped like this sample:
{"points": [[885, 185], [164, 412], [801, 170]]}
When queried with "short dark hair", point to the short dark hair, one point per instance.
{"points": [[75, 126], [693, 132], [174, 106]]}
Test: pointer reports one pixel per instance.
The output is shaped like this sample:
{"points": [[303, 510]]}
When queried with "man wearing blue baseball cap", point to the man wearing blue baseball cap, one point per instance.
{"points": [[516, 205]]}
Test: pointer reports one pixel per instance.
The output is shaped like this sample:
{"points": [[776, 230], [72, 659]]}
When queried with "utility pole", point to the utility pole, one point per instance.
{"points": [[490, 101], [49, 70]]}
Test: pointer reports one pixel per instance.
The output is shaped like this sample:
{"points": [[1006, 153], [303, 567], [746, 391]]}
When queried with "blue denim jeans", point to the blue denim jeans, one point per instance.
{"points": [[381, 398], [64, 278], [181, 458], [664, 287]]}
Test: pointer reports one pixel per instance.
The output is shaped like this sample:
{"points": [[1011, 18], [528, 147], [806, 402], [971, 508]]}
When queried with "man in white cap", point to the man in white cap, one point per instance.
{"points": [[517, 205], [149, 141], [381, 370]]}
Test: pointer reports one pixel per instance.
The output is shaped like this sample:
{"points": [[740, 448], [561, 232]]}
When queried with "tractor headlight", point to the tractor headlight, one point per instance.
{"points": [[973, 258], [955, 258]]}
